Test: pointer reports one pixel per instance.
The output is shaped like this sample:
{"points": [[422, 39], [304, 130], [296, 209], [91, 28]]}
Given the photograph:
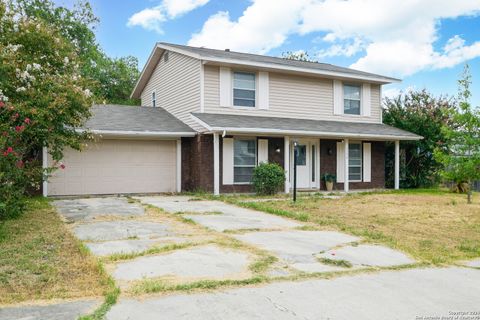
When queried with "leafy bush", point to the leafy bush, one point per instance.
{"points": [[268, 178]]}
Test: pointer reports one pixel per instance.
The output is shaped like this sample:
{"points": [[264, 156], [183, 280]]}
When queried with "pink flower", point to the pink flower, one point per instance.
{"points": [[9, 149], [5, 153], [19, 164], [62, 166], [27, 120], [19, 128], [2, 104]]}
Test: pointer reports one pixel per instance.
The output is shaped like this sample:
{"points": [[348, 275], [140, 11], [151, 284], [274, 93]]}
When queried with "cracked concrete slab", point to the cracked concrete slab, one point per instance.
{"points": [[473, 263], [314, 267], [249, 221], [75, 210], [232, 217], [122, 229], [209, 261], [368, 255], [406, 294], [119, 246], [296, 246], [59, 311]]}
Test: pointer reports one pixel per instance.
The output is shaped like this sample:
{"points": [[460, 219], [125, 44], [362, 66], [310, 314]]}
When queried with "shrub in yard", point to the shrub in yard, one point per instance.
{"points": [[268, 178]]}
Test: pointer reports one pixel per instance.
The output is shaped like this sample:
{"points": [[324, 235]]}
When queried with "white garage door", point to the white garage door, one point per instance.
{"points": [[117, 166]]}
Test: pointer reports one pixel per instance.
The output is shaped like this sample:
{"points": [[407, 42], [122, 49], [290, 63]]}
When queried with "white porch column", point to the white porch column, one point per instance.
{"points": [[44, 166], [286, 163], [397, 164], [346, 175], [216, 165], [179, 165]]}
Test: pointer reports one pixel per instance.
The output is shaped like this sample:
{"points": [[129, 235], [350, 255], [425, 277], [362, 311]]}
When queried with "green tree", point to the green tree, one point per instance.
{"points": [[421, 113], [460, 155], [43, 98], [298, 55], [112, 79]]}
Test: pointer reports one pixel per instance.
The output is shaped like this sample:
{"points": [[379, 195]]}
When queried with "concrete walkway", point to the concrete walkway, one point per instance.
{"points": [[297, 249], [115, 225], [405, 295]]}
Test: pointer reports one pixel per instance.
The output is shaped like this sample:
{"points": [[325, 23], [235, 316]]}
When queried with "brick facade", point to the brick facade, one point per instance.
{"points": [[197, 163], [328, 163]]}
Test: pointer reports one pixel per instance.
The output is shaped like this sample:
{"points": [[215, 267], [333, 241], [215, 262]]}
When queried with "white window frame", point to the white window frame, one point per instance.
{"points": [[349, 84], [244, 166], [361, 161], [255, 90], [154, 99]]}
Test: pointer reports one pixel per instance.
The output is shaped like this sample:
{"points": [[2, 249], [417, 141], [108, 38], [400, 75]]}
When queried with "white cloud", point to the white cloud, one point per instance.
{"points": [[150, 19], [175, 8], [263, 26], [153, 18], [398, 38], [343, 49]]}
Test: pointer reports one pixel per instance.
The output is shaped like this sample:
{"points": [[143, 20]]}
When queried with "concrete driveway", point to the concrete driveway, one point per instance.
{"points": [[406, 295], [189, 241]]}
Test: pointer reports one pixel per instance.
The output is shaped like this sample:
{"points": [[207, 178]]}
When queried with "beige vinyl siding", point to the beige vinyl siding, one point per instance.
{"points": [[177, 87], [376, 111], [291, 96]]}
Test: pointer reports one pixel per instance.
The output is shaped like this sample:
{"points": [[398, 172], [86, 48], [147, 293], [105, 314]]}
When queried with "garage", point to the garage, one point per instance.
{"points": [[117, 166], [134, 150]]}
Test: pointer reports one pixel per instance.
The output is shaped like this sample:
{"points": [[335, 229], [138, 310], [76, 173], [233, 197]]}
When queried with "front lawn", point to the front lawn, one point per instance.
{"points": [[40, 259], [432, 226]]}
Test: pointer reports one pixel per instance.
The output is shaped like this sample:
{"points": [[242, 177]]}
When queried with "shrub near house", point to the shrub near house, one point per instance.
{"points": [[268, 178]]}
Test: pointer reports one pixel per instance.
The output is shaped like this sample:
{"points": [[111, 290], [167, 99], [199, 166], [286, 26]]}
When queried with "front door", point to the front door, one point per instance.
{"points": [[306, 164]]}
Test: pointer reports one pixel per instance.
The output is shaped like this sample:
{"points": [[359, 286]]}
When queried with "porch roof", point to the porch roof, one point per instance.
{"points": [[300, 127]]}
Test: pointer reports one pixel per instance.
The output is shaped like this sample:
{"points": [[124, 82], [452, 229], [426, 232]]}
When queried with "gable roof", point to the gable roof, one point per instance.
{"points": [[136, 121], [281, 126], [233, 58]]}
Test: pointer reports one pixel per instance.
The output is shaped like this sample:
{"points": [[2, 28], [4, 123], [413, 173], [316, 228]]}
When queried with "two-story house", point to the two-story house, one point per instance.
{"points": [[208, 117]]}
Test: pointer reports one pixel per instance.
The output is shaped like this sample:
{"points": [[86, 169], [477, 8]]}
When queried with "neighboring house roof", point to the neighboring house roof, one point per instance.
{"points": [[254, 60], [120, 120], [271, 125]]}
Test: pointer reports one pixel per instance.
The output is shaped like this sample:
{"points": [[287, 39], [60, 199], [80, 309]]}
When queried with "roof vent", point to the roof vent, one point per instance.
{"points": [[227, 50]]}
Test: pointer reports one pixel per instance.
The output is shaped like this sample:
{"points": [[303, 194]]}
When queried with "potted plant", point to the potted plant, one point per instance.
{"points": [[329, 180]]}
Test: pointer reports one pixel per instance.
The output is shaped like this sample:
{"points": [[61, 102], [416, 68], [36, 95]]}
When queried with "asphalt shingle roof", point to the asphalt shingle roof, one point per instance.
{"points": [[248, 57], [288, 124], [134, 118]]}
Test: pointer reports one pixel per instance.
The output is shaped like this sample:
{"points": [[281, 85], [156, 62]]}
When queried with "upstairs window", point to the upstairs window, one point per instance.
{"points": [[154, 99], [244, 160], [244, 89], [351, 99]]}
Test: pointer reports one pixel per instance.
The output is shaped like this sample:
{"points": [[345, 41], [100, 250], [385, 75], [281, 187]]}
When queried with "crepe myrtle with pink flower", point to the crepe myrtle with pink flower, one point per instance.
{"points": [[42, 100]]}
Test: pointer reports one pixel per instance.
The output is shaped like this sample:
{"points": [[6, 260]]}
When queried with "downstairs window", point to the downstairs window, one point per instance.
{"points": [[244, 160]]}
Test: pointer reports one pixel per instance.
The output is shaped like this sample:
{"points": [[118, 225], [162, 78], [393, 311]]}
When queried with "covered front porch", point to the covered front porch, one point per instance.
{"points": [[353, 152]]}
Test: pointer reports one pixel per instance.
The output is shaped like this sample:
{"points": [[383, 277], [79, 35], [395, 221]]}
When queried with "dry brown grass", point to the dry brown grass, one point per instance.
{"points": [[433, 227], [40, 259]]}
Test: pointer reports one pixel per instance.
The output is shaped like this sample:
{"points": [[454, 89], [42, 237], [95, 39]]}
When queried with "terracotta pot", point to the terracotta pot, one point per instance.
{"points": [[329, 185]]}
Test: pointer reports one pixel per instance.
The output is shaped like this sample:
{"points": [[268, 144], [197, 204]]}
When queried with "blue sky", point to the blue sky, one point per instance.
{"points": [[424, 42]]}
